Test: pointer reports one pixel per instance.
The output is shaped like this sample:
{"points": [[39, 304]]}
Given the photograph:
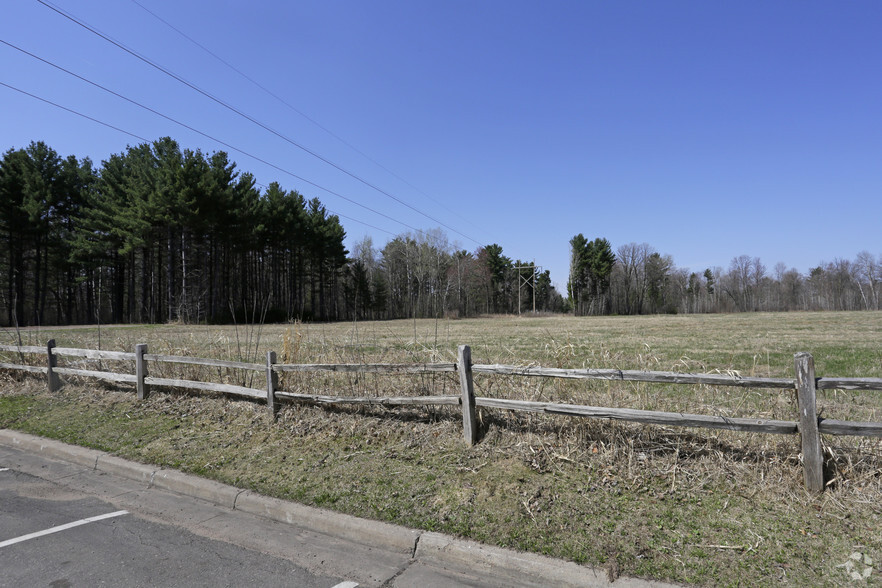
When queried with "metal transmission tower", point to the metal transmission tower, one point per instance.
{"points": [[531, 281]]}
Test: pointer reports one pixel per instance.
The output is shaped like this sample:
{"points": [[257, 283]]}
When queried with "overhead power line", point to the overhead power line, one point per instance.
{"points": [[131, 134], [197, 131], [297, 110], [335, 213], [246, 116], [72, 111]]}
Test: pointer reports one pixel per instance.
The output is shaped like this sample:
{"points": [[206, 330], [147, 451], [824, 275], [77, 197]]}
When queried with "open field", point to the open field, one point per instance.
{"points": [[694, 506], [756, 343]]}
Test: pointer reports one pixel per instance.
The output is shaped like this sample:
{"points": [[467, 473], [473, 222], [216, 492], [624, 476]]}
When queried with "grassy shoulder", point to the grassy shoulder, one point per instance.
{"points": [[676, 505]]}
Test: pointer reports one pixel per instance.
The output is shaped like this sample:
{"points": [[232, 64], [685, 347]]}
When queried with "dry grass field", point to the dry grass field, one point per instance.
{"points": [[687, 505]]}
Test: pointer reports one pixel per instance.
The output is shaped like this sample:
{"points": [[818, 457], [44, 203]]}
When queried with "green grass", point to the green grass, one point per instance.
{"points": [[693, 506]]}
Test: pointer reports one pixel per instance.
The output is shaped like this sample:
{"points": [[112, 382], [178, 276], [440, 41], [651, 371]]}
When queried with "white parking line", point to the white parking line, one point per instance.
{"points": [[9, 542], [346, 585], [4, 469]]}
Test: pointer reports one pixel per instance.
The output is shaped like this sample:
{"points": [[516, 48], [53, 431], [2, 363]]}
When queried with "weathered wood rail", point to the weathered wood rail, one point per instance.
{"points": [[808, 425]]}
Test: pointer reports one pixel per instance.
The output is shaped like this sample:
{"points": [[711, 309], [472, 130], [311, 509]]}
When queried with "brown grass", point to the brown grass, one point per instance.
{"points": [[695, 506]]}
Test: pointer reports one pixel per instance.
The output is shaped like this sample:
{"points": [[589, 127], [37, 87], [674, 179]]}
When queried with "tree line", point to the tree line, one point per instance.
{"points": [[423, 275], [637, 279], [160, 233]]}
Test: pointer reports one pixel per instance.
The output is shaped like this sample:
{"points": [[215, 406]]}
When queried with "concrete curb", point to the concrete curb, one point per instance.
{"points": [[515, 565], [428, 547], [51, 448], [363, 531], [441, 549], [116, 466], [197, 487]]}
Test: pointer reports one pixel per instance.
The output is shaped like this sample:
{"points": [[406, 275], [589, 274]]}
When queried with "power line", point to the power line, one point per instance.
{"points": [[246, 116], [298, 111], [125, 132], [335, 213], [95, 120], [197, 131], [86, 116], [531, 282]]}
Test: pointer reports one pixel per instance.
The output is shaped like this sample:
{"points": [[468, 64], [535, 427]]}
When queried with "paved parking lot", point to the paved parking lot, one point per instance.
{"points": [[71, 516], [64, 524], [49, 537]]}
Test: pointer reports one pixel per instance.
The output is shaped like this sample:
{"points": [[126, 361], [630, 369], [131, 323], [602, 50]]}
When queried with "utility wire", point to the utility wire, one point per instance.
{"points": [[247, 117], [206, 135], [298, 111], [86, 116], [355, 220], [125, 132]]}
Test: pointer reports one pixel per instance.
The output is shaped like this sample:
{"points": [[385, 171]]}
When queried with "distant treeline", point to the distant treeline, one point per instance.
{"points": [[636, 279], [158, 233]]}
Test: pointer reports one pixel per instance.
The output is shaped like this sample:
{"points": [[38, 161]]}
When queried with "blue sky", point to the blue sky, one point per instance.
{"points": [[706, 129]]}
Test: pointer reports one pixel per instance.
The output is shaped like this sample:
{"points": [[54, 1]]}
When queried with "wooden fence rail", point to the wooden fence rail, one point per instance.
{"points": [[637, 376], [367, 368], [808, 425], [649, 417], [202, 361]]}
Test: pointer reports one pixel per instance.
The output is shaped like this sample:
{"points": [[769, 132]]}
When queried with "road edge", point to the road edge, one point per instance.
{"points": [[428, 547]]}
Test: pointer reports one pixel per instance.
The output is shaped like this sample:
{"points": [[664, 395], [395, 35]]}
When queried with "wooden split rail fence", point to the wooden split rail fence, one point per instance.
{"points": [[809, 426]]}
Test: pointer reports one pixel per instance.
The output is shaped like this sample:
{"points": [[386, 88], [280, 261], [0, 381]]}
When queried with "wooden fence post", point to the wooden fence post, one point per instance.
{"points": [[469, 419], [51, 362], [272, 382], [141, 371], [812, 455]]}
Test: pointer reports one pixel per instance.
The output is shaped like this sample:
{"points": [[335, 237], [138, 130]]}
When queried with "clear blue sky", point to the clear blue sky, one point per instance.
{"points": [[706, 129]]}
